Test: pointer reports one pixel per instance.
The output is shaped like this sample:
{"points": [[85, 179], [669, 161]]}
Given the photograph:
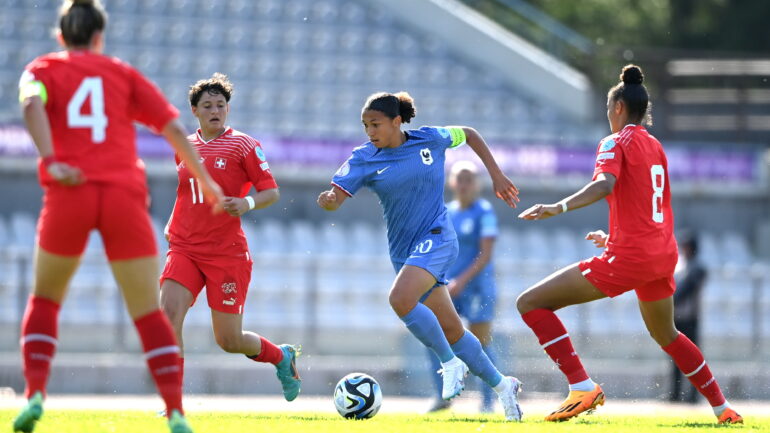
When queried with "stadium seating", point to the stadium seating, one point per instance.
{"points": [[299, 66]]}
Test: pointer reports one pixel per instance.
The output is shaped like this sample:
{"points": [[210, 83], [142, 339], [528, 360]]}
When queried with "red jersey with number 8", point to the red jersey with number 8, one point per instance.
{"points": [[92, 101], [641, 221], [236, 162]]}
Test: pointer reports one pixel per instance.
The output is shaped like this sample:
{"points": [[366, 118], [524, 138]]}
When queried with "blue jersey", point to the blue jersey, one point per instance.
{"points": [[476, 222], [409, 181]]}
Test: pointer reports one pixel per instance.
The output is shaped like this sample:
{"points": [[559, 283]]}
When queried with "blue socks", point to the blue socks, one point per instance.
{"points": [[468, 348], [423, 324], [435, 366], [487, 393]]}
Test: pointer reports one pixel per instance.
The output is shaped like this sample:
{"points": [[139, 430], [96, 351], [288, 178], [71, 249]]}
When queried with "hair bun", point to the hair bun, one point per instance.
{"points": [[406, 106], [632, 74]]}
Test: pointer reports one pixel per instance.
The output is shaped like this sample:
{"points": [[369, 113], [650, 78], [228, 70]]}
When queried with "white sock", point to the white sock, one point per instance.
{"points": [[585, 386], [452, 363], [719, 409], [502, 386]]}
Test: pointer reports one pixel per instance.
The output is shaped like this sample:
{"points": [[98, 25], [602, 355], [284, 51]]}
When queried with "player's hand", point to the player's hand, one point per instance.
{"points": [[455, 288], [236, 206], [65, 174], [598, 237], [213, 195], [328, 200], [505, 190], [540, 212]]}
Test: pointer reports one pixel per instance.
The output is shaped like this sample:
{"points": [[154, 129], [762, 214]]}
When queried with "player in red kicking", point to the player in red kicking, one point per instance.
{"points": [[641, 253], [210, 250], [80, 107]]}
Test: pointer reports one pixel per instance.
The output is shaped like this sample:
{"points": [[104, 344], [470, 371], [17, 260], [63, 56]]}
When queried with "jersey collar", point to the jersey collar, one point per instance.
{"points": [[228, 131]]}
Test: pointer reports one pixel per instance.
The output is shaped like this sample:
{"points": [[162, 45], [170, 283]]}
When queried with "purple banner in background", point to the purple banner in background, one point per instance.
{"points": [[686, 163]]}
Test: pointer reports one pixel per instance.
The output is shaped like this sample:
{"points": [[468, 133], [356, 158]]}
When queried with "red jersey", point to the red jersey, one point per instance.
{"points": [[236, 162], [641, 220], [92, 102]]}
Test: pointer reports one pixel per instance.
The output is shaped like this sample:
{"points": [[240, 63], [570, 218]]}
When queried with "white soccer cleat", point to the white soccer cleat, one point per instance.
{"points": [[453, 373], [509, 399]]}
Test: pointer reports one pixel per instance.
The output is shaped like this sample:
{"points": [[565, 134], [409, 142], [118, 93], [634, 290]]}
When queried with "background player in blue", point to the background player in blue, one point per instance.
{"points": [[471, 277], [406, 171]]}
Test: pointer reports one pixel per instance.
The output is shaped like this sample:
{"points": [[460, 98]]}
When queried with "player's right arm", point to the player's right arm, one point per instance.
{"points": [[176, 135], [332, 199]]}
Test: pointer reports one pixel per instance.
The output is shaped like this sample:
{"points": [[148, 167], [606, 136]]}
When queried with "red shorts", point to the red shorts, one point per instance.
{"points": [[613, 275], [120, 214], [226, 280]]}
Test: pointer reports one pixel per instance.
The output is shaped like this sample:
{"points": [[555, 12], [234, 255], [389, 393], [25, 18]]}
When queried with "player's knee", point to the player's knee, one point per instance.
{"points": [[664, 337], [229, 343], [401, 303], [524, 303], [173, 311]]}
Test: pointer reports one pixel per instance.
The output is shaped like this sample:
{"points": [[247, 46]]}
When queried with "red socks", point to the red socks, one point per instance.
{"points": [[162, 354], [269, 353], [38, 342], [690, 361], [556, 343]]}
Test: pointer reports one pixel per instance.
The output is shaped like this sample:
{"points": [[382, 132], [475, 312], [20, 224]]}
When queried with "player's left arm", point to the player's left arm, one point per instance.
{"points": [[594, 191], [486, 246], [33, 96], [504, 189], [237, 206]]}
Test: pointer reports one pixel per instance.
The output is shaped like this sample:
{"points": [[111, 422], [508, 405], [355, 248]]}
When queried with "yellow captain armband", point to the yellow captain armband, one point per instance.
{"points": [[29, 86], [458, 136]]}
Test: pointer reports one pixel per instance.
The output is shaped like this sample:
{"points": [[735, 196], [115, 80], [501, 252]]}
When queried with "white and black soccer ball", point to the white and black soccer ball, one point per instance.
{"points": [[357, 396]]}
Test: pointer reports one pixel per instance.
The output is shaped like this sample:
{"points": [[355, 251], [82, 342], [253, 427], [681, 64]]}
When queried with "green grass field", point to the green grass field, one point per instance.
{"points": [[70, 421]]}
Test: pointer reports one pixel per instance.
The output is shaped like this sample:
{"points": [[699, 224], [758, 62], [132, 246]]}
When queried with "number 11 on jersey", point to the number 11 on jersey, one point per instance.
{"points": [[195, 191]]}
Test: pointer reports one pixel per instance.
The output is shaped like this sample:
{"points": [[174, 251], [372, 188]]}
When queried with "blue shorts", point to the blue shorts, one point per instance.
{"points": [[435, 253], [478, 301]]}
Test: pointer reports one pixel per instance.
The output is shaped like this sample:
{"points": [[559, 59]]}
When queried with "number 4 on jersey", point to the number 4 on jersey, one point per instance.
{"points": [[97, 120]]}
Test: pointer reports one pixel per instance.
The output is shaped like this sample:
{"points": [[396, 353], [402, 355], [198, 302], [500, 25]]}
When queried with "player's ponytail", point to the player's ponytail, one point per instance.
{"points": [[633, 93], [392, 105], [79, 20]]}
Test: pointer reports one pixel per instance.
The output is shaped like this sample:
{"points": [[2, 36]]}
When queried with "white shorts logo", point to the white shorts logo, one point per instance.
{"points": [[230, 302], [427, 158]]}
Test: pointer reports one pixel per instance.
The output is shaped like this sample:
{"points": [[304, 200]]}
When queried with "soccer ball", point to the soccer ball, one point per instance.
{"points": [[357, 396]]}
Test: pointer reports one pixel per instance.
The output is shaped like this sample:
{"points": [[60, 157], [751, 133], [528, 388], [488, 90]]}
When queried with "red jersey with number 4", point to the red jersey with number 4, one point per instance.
{"points": [[92, 102], [641, 220], [236, 162]]}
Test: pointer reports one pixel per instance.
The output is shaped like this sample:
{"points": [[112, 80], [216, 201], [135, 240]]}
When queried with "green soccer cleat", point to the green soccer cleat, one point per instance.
{"points": [[287, 373], [29, 415], [177, 423]]}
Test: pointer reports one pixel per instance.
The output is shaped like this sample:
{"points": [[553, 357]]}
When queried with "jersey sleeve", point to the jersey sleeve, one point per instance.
{"points": [[609, 158], [450, 137], [488, 222], [32, 85], [258, 170], [150, 106], [351, 175]]}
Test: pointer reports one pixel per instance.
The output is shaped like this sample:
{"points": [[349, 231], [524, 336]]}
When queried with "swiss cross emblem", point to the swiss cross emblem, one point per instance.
{"points": [[220, 163]]}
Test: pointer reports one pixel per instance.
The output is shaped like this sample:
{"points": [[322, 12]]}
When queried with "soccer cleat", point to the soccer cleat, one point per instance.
{"points": [[576, 403], [439, 405], [729, 416], [177, 423], [454, 379], [509, 400], [30, 414], [287, 373]]}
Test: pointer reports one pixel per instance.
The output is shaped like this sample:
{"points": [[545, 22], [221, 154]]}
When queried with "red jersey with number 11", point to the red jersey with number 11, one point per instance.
{"points": [[641, 220], [236, 162], [92, 102]]}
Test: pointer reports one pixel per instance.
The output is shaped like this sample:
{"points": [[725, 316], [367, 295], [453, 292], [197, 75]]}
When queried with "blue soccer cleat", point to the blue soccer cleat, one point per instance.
{"points": [[287, 373], [177, 423], [30, 414]]}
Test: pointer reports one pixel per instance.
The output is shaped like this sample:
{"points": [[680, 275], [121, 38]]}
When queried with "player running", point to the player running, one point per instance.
{"points": [[406, 171], [210, 250], [472, 276], [641, 254], [79, 107]]}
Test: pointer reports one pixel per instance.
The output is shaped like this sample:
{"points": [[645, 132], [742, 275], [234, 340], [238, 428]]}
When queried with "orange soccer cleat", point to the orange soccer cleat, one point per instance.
{"points": [[576, 403], [729, 416]]}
